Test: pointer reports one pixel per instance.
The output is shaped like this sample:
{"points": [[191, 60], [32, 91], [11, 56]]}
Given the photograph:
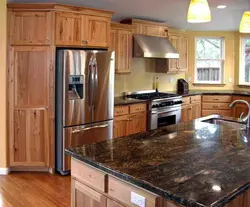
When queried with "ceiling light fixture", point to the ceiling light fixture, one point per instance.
{"points": [[199, 11], [245, 23], [221, 7]]}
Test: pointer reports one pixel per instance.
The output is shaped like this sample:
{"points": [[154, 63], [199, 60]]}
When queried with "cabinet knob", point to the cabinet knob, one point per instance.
{"points": [[85, 42], [47, 39]]}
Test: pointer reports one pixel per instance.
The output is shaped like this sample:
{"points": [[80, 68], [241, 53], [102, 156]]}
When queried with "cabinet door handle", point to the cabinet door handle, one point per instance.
{"points": [[216, 99], [216, 106]]}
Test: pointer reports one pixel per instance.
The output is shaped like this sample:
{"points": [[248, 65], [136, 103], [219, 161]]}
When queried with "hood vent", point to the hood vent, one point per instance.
{"points": [[153, 47]]}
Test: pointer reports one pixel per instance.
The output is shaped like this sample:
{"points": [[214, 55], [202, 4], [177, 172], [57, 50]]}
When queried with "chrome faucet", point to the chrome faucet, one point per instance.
{"points": [[245, 119]]}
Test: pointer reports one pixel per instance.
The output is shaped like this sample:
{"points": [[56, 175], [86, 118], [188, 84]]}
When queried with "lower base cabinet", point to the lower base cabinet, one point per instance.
{"points": [[83, 196], [112, 203]]}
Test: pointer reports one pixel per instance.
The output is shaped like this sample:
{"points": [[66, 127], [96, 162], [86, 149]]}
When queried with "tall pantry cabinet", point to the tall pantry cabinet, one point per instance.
{"points": [[34, 32]]}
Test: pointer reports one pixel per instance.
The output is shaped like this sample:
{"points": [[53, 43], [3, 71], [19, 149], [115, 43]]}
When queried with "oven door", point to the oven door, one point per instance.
{"points": [[165, 117]]}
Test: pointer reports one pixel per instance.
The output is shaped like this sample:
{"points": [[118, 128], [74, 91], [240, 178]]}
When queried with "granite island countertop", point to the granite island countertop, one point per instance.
{"points": [[194, 163]]}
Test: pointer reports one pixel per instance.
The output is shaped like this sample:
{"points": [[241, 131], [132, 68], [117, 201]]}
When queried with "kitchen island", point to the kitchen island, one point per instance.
{"points": [[192, 164]]}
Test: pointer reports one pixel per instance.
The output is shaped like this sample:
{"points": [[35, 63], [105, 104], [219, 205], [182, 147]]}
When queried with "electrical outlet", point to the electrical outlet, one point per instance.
{"points": [[138, 199], [171, 80], [189, 79], [230, 80]]}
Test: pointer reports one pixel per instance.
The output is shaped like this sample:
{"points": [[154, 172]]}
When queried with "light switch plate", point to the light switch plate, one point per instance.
{"points": [[138, 199], [230, 80]]}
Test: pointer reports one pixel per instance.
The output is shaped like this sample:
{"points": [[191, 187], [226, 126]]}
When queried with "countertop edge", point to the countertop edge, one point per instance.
{"points": [[167, 195]]}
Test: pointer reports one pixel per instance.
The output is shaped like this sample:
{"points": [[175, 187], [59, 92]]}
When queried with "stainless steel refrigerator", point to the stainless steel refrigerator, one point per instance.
{"points": [[84, 100]]}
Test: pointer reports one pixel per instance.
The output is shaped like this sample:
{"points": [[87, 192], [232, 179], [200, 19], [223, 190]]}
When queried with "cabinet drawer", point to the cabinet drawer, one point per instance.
{"points": [[186, 100], [121, 110], [88, 175], [215, 106], [122, 192], [220, 112], [135, 108], [219, 98], [195, 99]]}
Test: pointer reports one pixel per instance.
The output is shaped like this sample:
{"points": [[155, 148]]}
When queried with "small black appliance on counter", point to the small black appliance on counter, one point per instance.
{"points": [[182, 86]]}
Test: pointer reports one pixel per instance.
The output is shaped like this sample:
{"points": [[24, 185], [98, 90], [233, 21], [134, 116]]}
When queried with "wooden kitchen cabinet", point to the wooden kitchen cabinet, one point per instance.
{"points": [[120, 126], [121, 43], [68, 28], [196, 110], [30, 28], [75, 29], [186, 113], [180, 42], [129, 119], [29, 106], [111, 203], [84, 196], [137, 123]]}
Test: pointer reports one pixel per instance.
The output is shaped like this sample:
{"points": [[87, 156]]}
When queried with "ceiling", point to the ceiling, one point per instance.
{"points": [[173, 12]]}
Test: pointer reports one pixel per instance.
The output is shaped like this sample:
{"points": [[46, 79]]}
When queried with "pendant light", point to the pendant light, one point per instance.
{"points": [[245, 22], [199, 11]]}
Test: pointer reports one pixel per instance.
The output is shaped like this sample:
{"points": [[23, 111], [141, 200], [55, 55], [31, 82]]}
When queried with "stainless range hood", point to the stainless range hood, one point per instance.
{"points": [[153, 47]]}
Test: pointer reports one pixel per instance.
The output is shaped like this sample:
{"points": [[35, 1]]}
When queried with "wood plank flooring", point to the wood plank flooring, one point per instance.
{"points": [[34, 189]]}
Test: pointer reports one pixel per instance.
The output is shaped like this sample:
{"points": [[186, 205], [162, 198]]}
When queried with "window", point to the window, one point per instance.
{"points": [[209, 60], [245, 62]]}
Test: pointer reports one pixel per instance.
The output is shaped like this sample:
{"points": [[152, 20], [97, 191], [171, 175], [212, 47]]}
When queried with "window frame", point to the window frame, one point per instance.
{"points": [[222, 68], [242, 62]]}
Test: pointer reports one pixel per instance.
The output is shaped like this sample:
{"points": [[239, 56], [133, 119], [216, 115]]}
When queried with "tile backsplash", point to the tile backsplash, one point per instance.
{"points": [[142, 77]]}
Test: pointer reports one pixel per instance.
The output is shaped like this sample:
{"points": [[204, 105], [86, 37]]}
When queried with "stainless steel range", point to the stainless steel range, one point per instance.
{"points": [[164, 108]]}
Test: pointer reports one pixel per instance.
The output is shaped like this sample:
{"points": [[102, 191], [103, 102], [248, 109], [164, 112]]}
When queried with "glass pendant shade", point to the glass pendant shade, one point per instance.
{"points": [[199, 11], [245, 23]]}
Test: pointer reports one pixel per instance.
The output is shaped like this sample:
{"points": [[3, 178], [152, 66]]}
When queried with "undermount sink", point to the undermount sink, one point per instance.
{"points": [[216, 119]]}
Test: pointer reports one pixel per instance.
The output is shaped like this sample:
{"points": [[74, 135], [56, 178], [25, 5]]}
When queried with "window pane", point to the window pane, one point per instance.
{"points": [[246, 56], [208, 70], [208, 48]]}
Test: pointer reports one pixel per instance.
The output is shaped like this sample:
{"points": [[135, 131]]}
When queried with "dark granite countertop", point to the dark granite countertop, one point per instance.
{"points": [[125, 101], [206, 92], [194, 163]]}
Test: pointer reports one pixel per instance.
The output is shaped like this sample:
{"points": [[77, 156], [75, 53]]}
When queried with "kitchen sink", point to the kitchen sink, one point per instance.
{"points": [[216, 119]]}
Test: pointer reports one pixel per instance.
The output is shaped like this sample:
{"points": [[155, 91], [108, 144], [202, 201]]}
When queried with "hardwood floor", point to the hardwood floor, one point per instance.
{"points": [[34, 189]]}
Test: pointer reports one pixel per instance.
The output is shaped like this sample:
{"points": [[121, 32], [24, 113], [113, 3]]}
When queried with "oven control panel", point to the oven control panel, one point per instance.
{"points": [[166, 103]]}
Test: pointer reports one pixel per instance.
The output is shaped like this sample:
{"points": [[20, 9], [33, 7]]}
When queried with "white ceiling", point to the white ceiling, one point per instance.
{"points": [[173, 12]]}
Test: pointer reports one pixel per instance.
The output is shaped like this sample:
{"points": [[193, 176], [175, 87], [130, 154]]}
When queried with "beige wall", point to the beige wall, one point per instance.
{"points": [[3, 138], [142, 78], [231, 58]]}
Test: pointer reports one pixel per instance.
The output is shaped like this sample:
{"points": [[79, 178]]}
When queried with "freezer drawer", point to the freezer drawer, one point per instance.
{"points": [[86, 134]]}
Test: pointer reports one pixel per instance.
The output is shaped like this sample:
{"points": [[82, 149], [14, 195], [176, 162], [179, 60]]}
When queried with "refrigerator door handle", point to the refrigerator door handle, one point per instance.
{"points": [[90, 83], [95, 81], [89, 128]]}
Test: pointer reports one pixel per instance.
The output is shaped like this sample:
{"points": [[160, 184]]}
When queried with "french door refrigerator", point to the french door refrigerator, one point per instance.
{"points": [[84, 100]]}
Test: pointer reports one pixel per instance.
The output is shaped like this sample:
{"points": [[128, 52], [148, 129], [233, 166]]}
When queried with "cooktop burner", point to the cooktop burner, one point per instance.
{"points": [[154, 95]]}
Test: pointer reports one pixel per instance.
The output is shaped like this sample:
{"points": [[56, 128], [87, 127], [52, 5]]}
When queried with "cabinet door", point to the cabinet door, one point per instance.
{"points": [[173, 63], [183, 51], [137, 123], [186, 113], [30, 28], [196, 111], [120, 126], [113, 43], [29, 105], [112, 203], [68, 28], [238, 109], [83, 196], [123, 51], [96, 31]]}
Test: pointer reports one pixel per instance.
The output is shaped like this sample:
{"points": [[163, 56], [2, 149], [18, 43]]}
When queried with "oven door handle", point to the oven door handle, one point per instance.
{"points": [[162, 112]]}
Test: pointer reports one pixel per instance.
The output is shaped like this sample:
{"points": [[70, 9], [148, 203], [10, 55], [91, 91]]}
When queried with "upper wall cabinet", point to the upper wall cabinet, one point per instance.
{"points": [[121, 43], [148, 27], [30, 28], [180, 42], [74, 29]]}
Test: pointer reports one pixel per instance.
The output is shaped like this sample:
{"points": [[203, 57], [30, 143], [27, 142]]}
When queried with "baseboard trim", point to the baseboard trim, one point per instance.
{"points": [[4, 171], [29, 169]]}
